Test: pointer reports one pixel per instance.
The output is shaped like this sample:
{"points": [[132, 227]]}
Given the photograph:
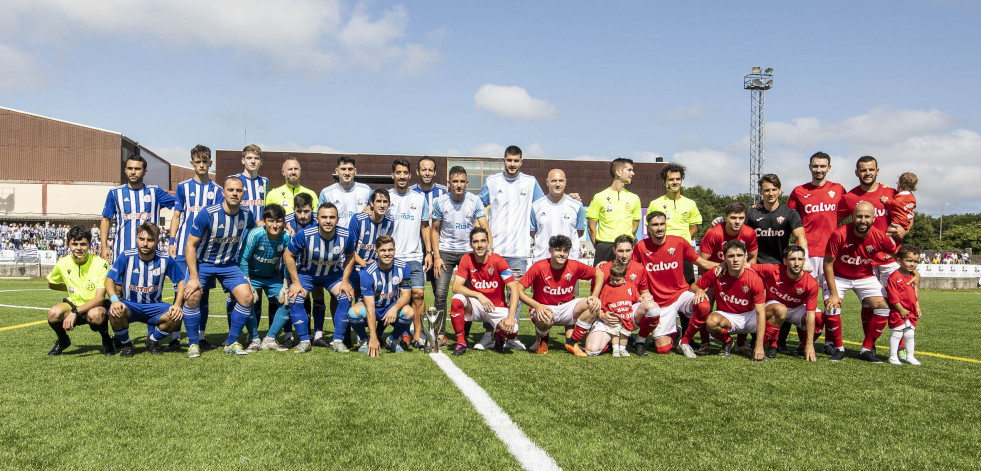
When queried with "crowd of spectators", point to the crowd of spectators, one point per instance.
{"points": [[948, 257], [21, 236]]}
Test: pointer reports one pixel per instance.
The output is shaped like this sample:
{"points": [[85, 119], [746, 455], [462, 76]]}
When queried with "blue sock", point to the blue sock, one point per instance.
{"points": [[121, 335], [319, 314], [356, 319], [229, 308], [401, 326], [298, 316], [192, 322], [203, 309], [282, 315], [149, 329], [240, 315], [340, 317], [158, 334], [252, 324]]}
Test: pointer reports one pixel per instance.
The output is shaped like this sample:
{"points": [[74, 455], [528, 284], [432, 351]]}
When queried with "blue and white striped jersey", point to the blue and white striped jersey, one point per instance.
{"points": [[291, 222], [316, 256], [431, 195], [261, 257], [458, 219], [142, 281], [192, 197], [510, 202], [221, 234], [364, 231], [254, 199], [385, 286], [348, 202], [130, 208], [409, 211]]}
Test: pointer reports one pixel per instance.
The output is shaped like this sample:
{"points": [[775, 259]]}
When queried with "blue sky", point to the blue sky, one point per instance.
{"points": [[562, 80]]}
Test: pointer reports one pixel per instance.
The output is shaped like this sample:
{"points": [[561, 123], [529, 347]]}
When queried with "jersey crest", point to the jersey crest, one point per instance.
{"points": [[780, 219], [490, 271], [568, 277], [831, 193], [745, 289], [670, 251]]}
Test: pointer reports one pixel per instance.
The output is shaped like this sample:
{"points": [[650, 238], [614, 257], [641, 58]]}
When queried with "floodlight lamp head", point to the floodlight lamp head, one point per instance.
{"points": [[769, 83], [756, 70], [769, 70], [757, 83]]}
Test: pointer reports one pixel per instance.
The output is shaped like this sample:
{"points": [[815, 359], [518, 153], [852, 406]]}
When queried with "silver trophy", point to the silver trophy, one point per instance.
{"points": [[432, 322]]}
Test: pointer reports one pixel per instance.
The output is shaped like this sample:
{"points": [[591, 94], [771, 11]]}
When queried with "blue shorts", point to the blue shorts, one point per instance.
{"points": [[182, 266], [418, 275], [230, 276], [308, 282], [145, 313]]}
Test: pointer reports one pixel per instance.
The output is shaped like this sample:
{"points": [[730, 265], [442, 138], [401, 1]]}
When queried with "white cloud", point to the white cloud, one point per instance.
{"points": [[534, 151], [879, 126], [512, 102], [311, 35], [19, 71]]}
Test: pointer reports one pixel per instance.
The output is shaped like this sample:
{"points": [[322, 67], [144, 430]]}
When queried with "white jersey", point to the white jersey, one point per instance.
{"points": [[510, 210], [409, 211], [458, 219], [348, 202], [567, 217]]}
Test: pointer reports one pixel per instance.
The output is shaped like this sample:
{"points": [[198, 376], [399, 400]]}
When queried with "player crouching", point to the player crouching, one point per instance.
{"points": [[483, 301], [82, 275], [739, 298], [138, 276], [553, 301], [791, 296], [386, 290]]}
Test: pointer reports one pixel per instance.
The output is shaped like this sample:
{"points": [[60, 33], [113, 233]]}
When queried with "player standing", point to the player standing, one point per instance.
{"points": [[556, 214], [83, 276], [130, 205], [256, 187], [385, 296], [347, 195], [134, 285], [410, 210], [735, 228], [682, 213], [613, 211]]}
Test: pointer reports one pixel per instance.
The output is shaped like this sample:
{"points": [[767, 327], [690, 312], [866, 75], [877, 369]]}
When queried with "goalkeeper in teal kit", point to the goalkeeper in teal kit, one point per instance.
{"points": [[261, 263]]}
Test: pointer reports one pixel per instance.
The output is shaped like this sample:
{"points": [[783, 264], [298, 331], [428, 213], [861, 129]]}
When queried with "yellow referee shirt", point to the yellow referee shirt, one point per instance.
{"points": [[82, 281], [614, 213], [284, 195], [682, 214]]}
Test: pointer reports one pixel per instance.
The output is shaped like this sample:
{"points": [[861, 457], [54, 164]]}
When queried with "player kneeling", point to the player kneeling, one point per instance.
{"points": [[553, 301], [483, 301], [791, 296], [386, 290], [137, 275], [739, 298], [82, 275]]}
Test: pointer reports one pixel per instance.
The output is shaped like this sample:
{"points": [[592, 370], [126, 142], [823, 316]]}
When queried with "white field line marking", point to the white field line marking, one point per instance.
{"points": [[524, 450], [26, 307], [31, 289]]}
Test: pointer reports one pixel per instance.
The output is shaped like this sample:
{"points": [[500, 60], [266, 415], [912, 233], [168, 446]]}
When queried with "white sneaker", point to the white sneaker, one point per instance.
{"points": [[515, 344], [687, 351], [624, 353], [254, 346], [894, 360], [616, 352], [912, 360], [486, 342], [268, 344]]}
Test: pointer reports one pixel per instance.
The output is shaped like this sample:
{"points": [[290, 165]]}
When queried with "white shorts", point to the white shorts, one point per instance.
{"points": [[864, 288], [479, 314], [743, 323], [795, 315], [817, 271], [882, 272], [600, 326], [564, 313], [669, 314]]}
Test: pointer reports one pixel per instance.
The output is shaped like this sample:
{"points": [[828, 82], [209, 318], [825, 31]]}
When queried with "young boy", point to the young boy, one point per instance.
{"points": [[617, 298], [900, 207], [904, 304]]}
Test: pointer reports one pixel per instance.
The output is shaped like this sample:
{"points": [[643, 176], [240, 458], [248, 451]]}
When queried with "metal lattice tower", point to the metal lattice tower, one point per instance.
{"points": [[757, 83]]}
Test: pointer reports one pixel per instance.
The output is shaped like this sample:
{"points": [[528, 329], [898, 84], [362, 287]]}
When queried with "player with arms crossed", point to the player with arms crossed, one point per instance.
{"points": [[83, 276], [138, 276], [411, 232], [321, 256], [739, 301], [385, 295], [848, 266], [791, 298], [213, 246], [488, 275], [554, 282]]}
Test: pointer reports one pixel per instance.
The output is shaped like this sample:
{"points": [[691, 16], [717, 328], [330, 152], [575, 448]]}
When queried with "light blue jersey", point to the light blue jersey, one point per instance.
{"points": [[261, 258]]}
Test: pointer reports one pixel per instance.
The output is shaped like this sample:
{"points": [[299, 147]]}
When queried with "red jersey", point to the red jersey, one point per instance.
{"points": [[788, 291], [899, 290], [488, 278], [554, 287], [853, 256], [620, 301], [900, 209], [734, 295], [665, 276], [818, 209], [716, 237], [635, 274], [857, 194]]}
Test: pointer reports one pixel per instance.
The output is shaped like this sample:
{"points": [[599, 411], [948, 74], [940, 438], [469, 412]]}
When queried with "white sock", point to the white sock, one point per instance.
{"points": [[289, 335], [318, 334], [897, 334], [176, 335], [201, 334], [908, 334]]}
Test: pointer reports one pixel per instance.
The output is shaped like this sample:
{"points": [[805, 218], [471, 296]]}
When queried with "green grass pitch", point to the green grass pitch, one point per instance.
{"points": [[323, 410]]}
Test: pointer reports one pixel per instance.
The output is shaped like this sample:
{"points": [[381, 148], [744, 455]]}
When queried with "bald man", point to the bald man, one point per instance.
{"points": [[284, 195], [848, 266], [557, 214]]}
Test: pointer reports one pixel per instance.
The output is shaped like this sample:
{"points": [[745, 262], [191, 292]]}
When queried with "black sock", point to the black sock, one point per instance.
{"points": [[784, 332], [103, 330], [60, 332], [466, 328]]}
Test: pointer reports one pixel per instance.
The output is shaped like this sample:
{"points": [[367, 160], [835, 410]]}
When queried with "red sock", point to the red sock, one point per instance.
{"points": [[770, 335], [818, 324], [458, 321], [724, 336], [647, 325], [578, 333], [741, 339], [500, 335], [866, 317], [664, 349], [876, 324], [700, 313], [833, 331]]}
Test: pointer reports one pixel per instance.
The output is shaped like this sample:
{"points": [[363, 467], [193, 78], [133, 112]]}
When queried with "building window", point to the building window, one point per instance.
{"points": [[477, 170]]}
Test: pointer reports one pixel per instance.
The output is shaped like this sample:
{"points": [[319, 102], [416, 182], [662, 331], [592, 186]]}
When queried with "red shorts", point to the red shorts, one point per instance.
{"points": [[897, 322]]}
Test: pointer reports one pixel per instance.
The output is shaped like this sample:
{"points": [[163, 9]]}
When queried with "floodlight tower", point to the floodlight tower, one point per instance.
{"points": [[757, 83]]}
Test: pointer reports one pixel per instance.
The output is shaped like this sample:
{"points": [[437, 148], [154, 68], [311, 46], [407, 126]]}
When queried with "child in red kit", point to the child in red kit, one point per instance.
{"points": [[900, 207], [618, 298], [904, 304]]}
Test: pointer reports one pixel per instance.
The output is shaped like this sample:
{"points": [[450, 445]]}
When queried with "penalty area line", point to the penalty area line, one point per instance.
{"points": [[529, 455]]}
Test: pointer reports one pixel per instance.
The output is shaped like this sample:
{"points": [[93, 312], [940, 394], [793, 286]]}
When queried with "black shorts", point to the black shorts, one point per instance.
{"points": [[604, 253]]}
